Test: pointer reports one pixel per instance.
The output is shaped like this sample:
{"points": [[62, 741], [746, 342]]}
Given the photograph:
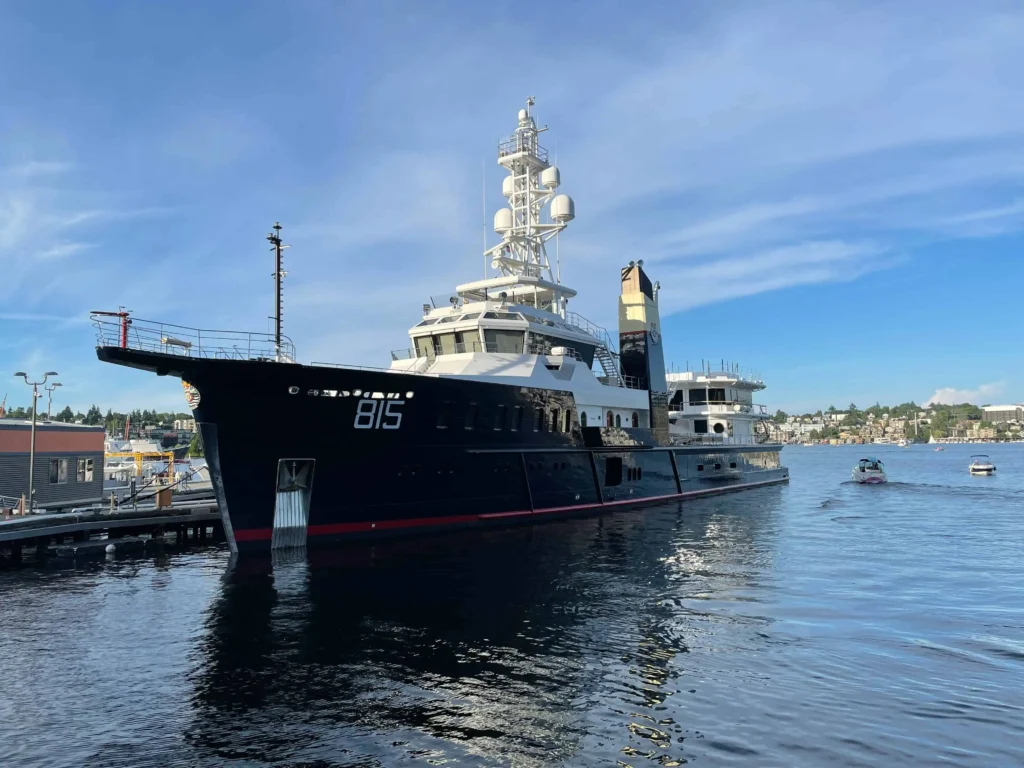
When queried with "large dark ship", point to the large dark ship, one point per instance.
{"points": [[506, 407]]}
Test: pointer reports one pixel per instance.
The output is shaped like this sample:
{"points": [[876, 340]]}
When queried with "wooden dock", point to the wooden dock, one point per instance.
{"points": [[57, 534]]}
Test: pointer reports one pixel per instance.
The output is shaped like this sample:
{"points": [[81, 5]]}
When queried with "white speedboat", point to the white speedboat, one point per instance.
{"points": [[902, 443], [870, 471], [981, 465]]}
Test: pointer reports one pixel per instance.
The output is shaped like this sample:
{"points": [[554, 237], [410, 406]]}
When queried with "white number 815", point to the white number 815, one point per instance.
{"points": [[378, 414]]}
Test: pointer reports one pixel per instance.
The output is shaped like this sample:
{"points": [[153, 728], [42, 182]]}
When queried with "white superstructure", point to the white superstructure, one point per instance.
{"points": [[716, 407], [515, 328]]}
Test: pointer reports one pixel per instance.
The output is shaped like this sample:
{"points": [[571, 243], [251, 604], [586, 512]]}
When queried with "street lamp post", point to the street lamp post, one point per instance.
{"points": [[32, 446], [49, 397]]}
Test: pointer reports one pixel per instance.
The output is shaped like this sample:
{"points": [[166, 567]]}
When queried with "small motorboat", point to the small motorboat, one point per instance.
{"points": [[902, 443], [981, 465], [940, 448], [871, 471]]}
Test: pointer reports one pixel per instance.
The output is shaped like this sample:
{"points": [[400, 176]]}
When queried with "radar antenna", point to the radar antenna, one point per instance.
{"points": [[530, 187]]}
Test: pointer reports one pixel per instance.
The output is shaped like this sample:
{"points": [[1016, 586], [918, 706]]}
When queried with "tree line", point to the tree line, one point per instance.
{"points": [[114, 421]]}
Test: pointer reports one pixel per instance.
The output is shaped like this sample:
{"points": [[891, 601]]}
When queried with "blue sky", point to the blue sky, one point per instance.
{"points": [[831, 194]]}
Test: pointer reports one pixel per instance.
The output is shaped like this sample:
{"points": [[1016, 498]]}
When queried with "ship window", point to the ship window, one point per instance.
{"points": [[444, 416], [554, 419], [538, 422], [610, 419], [700, 467], [583, 418], [85, 470], [719, 428], [424, 346], [510, 342], [470, 316], [718, 466], [471, 416], [700, 426], [517, 418], [629, 474], [444, 344], [639, 473], [613, 471], [636, 419], [618, 420], [567, 420], [58, 471], [732, 465], [428, 321], [499, 417], [447, 320]]}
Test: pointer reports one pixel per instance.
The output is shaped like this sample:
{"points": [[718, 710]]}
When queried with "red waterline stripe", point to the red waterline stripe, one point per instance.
{"points": [[263, 534]]}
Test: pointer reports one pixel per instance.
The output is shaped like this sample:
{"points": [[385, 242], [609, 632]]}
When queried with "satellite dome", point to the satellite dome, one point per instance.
{"points": [[503, 220], [508, 186], [523, 114], [550, 177], [563, 209]]}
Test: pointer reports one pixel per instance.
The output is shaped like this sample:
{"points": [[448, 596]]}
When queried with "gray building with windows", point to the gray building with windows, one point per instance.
{"points": [[998, 414], [68, 463]]}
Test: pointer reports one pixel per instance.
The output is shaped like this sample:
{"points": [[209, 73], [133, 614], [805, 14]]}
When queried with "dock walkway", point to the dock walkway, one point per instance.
{"points": [[193, 517]]}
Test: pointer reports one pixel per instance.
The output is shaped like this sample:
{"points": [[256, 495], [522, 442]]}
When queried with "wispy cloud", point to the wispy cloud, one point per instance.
{"points": [[981, 395]]}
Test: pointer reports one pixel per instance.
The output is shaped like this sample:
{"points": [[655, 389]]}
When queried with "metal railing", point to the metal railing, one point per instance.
{"points": [[712, 440], [522, 143], [170, 339], [479, 346], [720, 406], [577, 320]]}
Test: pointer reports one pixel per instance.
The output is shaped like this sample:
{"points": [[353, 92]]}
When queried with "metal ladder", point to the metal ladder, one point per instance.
{"points": [[608, 365]]}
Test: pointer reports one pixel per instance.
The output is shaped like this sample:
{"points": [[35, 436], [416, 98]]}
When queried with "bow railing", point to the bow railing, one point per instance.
{"points": [[170, 339]]}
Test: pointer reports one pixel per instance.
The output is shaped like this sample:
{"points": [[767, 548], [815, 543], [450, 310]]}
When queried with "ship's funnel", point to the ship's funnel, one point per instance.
{"points": [[640, 343]]}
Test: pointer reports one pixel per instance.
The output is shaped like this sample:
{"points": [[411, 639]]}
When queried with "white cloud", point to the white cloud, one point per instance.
{"points": [[983, 394]]}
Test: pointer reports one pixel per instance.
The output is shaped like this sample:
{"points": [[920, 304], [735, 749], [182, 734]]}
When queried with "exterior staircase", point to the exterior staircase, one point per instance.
{"points": [[604, 350]]}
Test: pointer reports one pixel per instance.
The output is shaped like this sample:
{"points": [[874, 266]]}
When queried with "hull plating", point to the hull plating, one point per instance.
{"points": [[397, 453]]}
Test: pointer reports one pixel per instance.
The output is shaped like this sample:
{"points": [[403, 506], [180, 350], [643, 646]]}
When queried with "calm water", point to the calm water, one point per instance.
{"points": [[822, 623]]}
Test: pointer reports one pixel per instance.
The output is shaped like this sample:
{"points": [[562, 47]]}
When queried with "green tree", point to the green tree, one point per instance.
{"points": [[66, 415], [780, 417], [195, 448], [94, 416]]}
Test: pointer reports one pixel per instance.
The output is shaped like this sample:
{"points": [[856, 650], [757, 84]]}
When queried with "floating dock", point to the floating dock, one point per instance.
{"points": [[87, 531]]}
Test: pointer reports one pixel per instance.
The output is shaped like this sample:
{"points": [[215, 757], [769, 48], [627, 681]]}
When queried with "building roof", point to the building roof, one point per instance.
{"points": [[50, 425]]}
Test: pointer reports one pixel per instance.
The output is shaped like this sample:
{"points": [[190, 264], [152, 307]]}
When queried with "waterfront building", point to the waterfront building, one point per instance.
{"points": [[68, 468]]}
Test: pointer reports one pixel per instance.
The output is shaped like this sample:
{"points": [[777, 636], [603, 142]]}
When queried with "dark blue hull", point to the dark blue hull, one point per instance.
{"points": [[379, 453]]}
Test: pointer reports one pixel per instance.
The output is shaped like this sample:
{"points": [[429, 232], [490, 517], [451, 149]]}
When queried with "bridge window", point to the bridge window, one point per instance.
{"points": [[700, 426]]}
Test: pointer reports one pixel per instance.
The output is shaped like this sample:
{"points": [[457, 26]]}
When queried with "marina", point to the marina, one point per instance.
{"points": [[359, 409]]}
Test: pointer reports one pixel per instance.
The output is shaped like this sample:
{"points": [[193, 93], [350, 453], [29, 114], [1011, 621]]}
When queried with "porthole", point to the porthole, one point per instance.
{"points": [[732, 465], [718, 466]]}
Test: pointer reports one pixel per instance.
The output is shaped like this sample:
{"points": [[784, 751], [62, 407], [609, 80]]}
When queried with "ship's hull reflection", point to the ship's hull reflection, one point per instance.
{"points": [[492, 646]]}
